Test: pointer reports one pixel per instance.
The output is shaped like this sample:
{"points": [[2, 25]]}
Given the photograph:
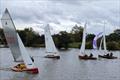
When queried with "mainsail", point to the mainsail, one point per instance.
{"points": [[49, 43], [104, 41], [10, 35], [82, 49], [14, 40]]}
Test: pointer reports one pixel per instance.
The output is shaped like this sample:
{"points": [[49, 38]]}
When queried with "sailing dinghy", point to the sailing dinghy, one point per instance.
{"points": [[106, 55], [49, 45], [82, 54], [16, 45]]}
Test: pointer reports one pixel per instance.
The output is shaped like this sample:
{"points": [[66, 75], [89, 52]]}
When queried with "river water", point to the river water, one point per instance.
{"points": [[69, 67]]}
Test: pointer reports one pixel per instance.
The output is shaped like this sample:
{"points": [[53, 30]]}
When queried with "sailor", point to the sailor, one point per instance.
{"points": [[32, 59], [22, 66], [107, 55], [85, 55], [17, 66], [91, 55], [111, 54]]}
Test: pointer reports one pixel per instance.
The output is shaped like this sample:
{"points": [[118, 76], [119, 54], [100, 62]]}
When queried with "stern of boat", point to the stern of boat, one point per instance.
{"points": [[33, 71]]}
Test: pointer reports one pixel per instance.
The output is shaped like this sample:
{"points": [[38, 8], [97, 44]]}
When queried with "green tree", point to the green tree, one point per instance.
{"points": [[113, 45], [63, 40], [2, 37], [77, 32], [113, 37]]}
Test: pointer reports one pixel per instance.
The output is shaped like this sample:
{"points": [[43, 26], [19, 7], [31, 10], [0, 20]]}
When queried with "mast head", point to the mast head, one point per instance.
{"points": [[6, 10], [5, 15], [47, 26]]}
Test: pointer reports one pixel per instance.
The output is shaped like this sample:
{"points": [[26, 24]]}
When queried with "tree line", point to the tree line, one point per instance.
{"points": [[64, 40]]}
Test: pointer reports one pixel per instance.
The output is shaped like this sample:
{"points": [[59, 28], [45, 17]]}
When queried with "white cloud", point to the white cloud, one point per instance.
{"points": [[63, 14]]}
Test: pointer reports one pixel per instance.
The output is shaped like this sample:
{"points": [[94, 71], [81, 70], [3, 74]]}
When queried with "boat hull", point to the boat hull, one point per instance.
{"points": [[17, 70], [87, 58], [32, 71], [102, 56], [52, 56]]}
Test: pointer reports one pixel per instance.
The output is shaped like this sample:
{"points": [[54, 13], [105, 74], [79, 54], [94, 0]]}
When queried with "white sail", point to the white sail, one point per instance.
{"points": [[27, 60], [104, 41], [49, 43], [100, 48], [82, 49], [10, 35], [101, 52], [14, 40]]}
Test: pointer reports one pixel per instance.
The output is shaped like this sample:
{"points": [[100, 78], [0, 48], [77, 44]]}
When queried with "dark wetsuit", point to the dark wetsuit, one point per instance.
{"points": [[32, 59], [91, 55]]}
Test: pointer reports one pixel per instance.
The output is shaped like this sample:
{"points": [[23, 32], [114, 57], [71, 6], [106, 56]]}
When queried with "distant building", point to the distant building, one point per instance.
{"points": [[117, 31]]}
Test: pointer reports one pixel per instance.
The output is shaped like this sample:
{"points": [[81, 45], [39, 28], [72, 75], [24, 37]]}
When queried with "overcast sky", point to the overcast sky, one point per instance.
{"points": [[64, 14]]}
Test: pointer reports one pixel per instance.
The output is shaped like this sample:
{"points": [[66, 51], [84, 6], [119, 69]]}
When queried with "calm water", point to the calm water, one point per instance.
{"points": [[69, 67]]}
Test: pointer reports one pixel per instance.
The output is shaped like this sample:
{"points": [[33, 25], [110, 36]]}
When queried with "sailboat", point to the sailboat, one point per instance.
{"points": [[16, 45], [106, 53], [82, 54], [49, 44]]}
